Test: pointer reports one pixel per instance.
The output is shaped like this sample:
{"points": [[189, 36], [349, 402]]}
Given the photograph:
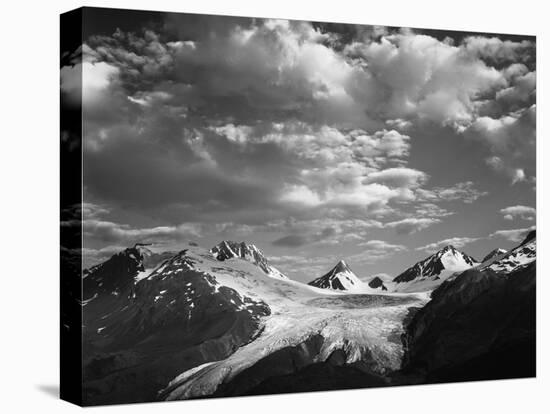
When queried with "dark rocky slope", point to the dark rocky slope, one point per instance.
{"points": [[293, 369], [479, 325], [138, 336], [376, 283]]}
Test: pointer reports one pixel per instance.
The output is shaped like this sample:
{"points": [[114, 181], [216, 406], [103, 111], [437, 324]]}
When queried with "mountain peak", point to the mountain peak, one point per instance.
{"points": [[342, 266], [447, 258], [520, 256], [340, 277], [493, 254], [228, 249]]}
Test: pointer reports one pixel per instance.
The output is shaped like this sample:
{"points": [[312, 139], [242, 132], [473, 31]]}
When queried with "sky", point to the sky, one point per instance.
{"points": [[315, 141]]}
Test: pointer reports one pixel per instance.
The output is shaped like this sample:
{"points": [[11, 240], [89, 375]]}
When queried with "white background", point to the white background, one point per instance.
{"points": [[29, 76]]}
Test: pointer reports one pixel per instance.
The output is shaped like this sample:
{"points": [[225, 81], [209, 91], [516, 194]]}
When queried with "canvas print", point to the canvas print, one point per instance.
{"points": [[259, 206]]}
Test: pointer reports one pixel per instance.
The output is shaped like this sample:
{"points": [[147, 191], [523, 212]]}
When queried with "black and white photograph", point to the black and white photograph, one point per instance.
{"points": [[272, 206]]}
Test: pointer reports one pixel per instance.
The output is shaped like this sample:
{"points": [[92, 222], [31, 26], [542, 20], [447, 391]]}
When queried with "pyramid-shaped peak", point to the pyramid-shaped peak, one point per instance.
{"points": [[447, 258], [340, 277], [342, 263]]}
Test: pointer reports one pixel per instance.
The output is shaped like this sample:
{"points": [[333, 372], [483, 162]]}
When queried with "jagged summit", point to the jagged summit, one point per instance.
{"points": [[227, 249], [521, 256], [340, 277], [446, 259]]}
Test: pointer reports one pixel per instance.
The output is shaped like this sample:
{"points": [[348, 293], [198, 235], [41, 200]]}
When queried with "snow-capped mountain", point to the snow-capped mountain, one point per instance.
{"points": [[202, 325], [340, 277], [430, 272], [519, 257], [227, 250], [494, 254], [477, 319]]}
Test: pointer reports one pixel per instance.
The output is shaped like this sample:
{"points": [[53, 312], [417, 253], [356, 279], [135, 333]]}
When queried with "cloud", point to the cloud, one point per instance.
{"points": [[398, 177], [431, 210], [457, 242], [111, 232], [411, 225], [399, 124], [511, 138], [522, 212], [88, 81], [496, 49], [375, 250], [247, 121], [329, 235], [296, 265], [514, 235], [92, 257], [292, 240], [463, 191], [425, 78]]}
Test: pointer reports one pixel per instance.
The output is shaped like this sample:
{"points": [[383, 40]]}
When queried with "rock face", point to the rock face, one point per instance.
{"points": [[340, 277], [140, 334], [113, 276], [494, 254], [227, 250], [432, 271], [377, 283], [479, 324]]}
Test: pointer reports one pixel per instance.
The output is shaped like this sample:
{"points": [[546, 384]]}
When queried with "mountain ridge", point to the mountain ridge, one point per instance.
{"points": [[228, 249]]}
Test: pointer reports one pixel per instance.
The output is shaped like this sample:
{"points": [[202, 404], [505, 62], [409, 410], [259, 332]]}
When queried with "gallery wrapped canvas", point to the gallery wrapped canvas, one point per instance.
{"points": [[257, 206]]}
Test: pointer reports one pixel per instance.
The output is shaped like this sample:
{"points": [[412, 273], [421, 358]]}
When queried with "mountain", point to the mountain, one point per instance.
{"points": [[340, 277], [519, 257], [377, 283], [480, 323], [430, 272], [199, 326], [494, 254], [227, 250], [140, 333], [114, 275]]}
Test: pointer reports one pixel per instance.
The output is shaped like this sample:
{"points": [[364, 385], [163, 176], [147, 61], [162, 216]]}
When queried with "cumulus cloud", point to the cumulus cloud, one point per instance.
{"points": [[240, 123], [511, 139], [498, 50], [457, 242], [425, 77], [522, 212]]}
